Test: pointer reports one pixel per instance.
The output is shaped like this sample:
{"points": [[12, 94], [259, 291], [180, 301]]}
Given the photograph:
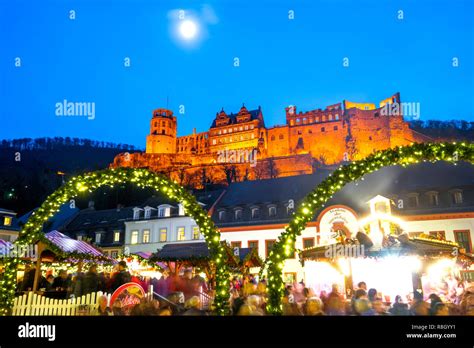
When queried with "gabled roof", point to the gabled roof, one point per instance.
{"points": [[69, 245], [254, 115]]}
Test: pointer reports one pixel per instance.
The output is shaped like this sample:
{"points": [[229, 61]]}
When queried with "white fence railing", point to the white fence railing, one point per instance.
{"points": [[35, 304]]}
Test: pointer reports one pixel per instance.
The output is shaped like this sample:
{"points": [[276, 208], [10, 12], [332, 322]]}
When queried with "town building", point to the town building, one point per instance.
{"points": [[9, 227], [426, 199]]}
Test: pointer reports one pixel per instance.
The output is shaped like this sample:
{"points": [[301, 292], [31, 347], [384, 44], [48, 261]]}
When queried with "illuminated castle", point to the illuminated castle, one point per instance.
{"points": [[340, 132]]}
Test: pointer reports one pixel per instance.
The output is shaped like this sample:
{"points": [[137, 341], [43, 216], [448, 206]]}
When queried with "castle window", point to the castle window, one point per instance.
{"points": [[213, 141], [219, 132], [323, 118], [370, 138], [230, 130], [235, 129], [163, 124], [323, 129], [251, 126], [299, 132], [163, 131], [253, 135], [335, 127], [310, 131], [305, 120], [241, 128], [292, 122], [330, 117], [310, 120], [281, 136], [337, 117], [272, 138], [246, 127], [298, 120], [156, 124], [225, 131], [316, 119]]}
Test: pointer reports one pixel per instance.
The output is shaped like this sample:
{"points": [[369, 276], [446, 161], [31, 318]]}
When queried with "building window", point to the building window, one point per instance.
{"points": [[272, 138], [456, 197], [323, 129], [335, 128], [221, 215], [116, 236], [281, 136], [253, 244], [98, 237], [433, 198], [272, 211], [310, 131], [134, 239], [195, 232], [80, 236], [163, 234], [236, 244], [7, 221], [330, 117], [413, 200], [463, 238], [114, 254], [147, 213], [181, 235], [238, 214], [300, 132], [255, 213], [337, 117], [213, 141], [308, 243], [136, 214], [146, 236], [269, 246]]}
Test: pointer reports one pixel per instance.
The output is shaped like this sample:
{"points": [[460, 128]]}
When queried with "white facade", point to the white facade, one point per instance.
{"points": [[148, 235]]}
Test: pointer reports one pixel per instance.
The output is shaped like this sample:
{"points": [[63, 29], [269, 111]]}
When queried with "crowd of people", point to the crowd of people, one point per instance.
{"points": [[184, 294]]}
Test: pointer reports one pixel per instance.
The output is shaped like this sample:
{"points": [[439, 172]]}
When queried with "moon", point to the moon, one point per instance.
{"points": [[188, 29]]}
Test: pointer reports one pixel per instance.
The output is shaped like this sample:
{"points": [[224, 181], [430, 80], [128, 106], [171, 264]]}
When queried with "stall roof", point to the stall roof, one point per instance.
{"points": [[69, 245], [182, 251]]}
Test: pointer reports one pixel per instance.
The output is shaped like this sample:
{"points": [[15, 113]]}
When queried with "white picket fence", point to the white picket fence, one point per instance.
{"points": [[35, 304]]}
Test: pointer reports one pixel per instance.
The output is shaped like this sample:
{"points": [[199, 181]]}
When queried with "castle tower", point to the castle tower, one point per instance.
{"points": [[162, 137]]}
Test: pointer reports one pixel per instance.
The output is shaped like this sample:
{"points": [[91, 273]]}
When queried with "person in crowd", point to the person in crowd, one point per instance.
{"points": [[379, 306], [49, 282], [313, 306], [28, 279], [419, 306], [62, 282], [362, 285], [104, 310], [434, 300], [121, 277], [335, 302], [372, 294], [236, 301], [193, 307], [363, 307], [163, 284], [88, 283], [398, 307], [440, 309]]}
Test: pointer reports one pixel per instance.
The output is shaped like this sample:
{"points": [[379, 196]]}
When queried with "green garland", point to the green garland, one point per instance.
{"points": [[402, 155], [32, 231]]}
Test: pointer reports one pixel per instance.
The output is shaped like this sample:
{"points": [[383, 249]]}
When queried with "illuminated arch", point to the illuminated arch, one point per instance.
{"points": [[402, 155], [32, 232]]}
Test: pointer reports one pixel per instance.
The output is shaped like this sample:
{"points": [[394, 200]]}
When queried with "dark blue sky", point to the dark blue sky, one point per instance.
{"points": [[282, 61]]}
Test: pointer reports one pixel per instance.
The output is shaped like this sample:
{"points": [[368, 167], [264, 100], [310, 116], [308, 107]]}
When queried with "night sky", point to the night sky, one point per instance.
{"points": [[282, 61]]}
